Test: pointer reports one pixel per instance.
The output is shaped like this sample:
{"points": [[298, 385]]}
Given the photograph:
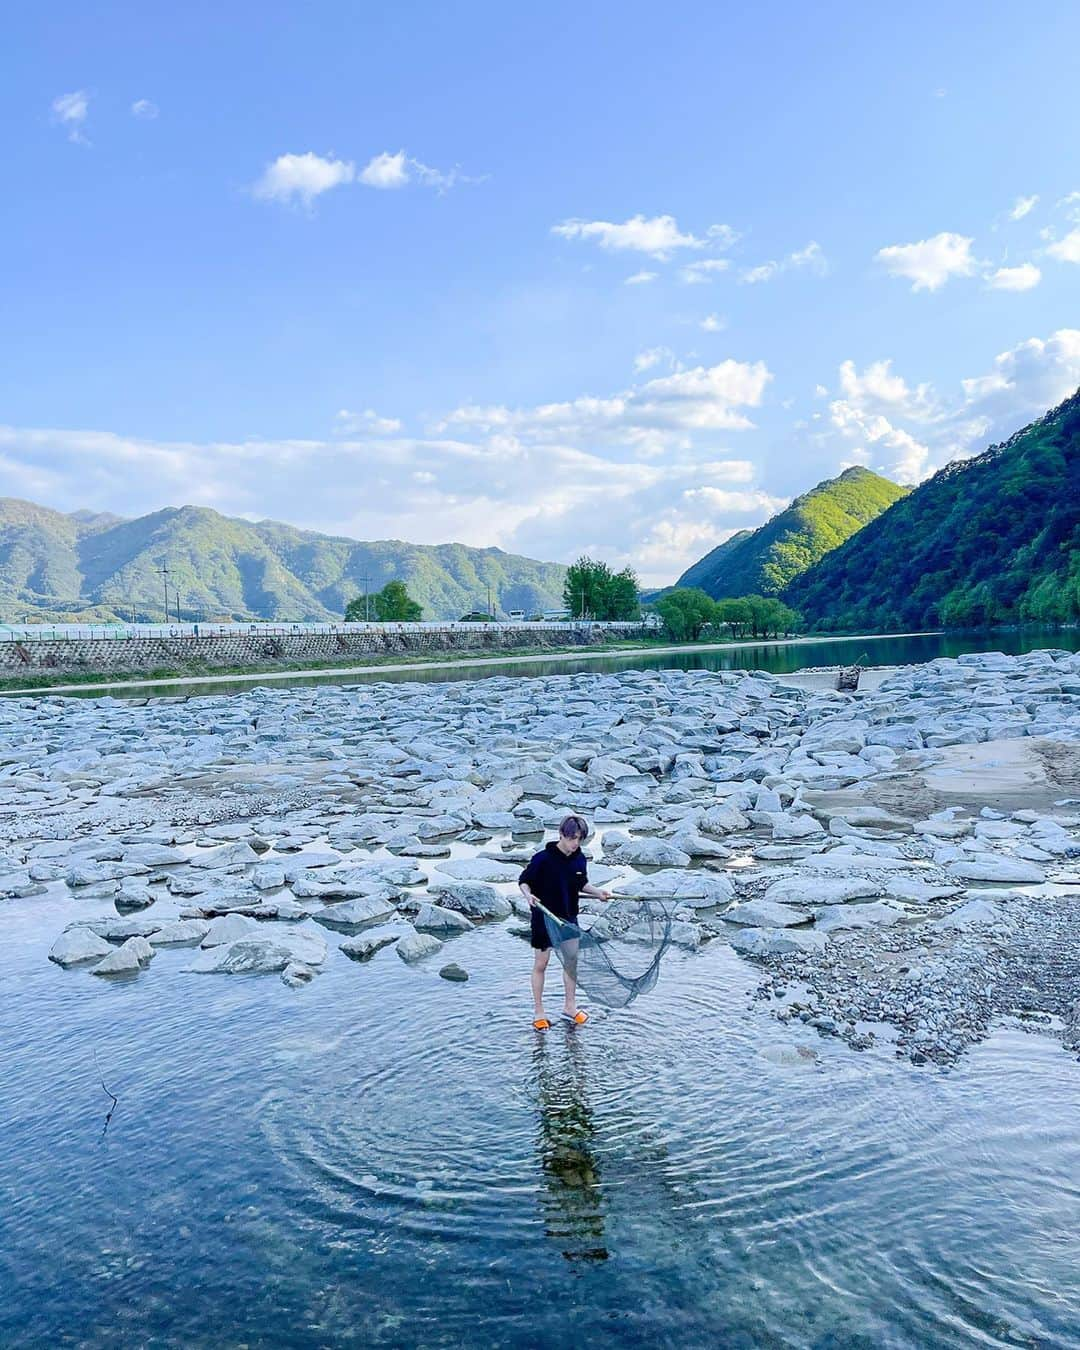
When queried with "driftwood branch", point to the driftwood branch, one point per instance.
{"points": [[115, 1098]]}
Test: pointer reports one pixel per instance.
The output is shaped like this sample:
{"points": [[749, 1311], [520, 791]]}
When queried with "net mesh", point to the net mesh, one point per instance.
{"points": [[615, 955]]}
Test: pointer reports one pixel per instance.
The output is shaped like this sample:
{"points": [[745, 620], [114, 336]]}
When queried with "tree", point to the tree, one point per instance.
{"points": [[734, 615], [593, 591], [686, 611], [394, 605], [356, 611], [621, 599]]}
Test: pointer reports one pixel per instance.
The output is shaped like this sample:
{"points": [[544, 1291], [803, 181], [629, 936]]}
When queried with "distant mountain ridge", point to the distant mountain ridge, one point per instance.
{"points": [[991, 539], [764, 561], [86, 564]]}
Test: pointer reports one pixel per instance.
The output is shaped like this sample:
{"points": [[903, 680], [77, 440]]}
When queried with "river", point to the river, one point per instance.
{"points": [[779, 658]]}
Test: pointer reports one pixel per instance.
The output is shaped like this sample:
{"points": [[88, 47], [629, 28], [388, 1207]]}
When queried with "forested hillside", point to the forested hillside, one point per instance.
{"points": [[764, 561], [987, 540], [57, 566]]}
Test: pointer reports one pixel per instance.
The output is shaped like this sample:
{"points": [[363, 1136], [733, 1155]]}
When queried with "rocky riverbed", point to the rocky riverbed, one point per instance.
{"points": [[902, 863]]}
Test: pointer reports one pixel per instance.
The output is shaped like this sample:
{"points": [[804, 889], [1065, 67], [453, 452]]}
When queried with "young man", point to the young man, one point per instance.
{"points": [[555, 877]]}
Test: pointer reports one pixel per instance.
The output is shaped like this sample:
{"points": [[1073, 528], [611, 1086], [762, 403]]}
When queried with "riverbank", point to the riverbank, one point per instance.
{"points": [[109, 682]]}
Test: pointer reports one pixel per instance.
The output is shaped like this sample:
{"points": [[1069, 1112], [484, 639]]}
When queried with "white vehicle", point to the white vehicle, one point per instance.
{"points": [[516, 615]]}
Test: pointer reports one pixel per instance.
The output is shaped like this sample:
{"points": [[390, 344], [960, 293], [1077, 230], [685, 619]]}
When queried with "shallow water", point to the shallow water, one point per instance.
{"points": [[387, 1158], [779, 658]]}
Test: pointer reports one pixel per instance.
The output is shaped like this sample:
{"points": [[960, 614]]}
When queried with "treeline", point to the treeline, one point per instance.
{"points": [[687, 612]]}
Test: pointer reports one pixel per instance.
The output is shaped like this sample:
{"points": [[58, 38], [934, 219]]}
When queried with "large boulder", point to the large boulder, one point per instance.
{"points": [[827, 918], [228, 855], [436, 919], [364, 946], [986, 867], [180, 932], [76, 945], [620, 848], [765, 942], [125, 960], [415, 946], [765, 914], [227, 928], [695, 889], [261, 954], [473, 898], [816, 890], [480, 869], [352, 913]]}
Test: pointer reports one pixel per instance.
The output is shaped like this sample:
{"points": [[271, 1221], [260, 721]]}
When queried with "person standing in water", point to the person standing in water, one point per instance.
{"points": [[556, 877]]}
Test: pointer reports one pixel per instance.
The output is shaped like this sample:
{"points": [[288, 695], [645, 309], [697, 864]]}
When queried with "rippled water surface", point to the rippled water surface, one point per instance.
{"points": [[387, 1158]]}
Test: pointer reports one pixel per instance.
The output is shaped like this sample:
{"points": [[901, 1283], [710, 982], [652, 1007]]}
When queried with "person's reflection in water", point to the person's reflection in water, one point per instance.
{"points": [[572, 1198]]}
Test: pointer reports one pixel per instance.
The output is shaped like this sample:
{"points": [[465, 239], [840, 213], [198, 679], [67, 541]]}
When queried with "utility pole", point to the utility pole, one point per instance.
{"points": [[165, 579], [367, 608], [491, 612]]}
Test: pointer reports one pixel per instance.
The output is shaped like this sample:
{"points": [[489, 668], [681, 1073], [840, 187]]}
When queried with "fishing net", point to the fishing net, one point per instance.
{"points": [[615, 955]]}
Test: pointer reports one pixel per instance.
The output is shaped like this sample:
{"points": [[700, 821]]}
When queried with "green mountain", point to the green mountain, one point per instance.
{"points": [[86, 565], [987, 540], [764, 561]]}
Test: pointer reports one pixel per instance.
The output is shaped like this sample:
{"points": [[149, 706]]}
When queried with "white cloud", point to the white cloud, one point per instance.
{"points": [[640, 278], [930, 263], [1022, 207], [302, 178], [908, 432], [613, 474], [1067, 249], [810, 257], [143, 109], [70, 110], [386, 171], [713, 323], [653, 356], [369, 421], [389, 171], [658, 236], [703, 270], [1021, 278]]}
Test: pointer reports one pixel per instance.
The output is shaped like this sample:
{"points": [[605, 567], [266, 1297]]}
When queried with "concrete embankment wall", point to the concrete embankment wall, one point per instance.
{"points": [[137, 653]]}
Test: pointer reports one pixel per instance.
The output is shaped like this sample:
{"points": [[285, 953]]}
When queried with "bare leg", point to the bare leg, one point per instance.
{"points": [[540, 965], [569, 954]]}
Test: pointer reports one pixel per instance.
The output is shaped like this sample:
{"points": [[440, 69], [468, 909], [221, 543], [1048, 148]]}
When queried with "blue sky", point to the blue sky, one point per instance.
{"points": [[561, 278]]}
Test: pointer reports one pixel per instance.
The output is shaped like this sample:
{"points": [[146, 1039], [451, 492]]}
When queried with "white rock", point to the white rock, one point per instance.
{"points": [[227, 928], [77, 945], [436, 919], [777, 941], [362, 909], [473, 898], [415, 946], [364, 946], [479, 869], [261, 954], [818, 890], [228, 855], [182, 931], [987, 867], [765, 914], [121, 960], [873, 915]]}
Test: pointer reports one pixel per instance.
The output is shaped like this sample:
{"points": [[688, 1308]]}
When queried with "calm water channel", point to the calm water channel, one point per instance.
{"points": [[384, 1158], [779, 658]]}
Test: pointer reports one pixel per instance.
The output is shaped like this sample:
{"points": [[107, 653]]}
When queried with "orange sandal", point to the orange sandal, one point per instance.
{"points": [[541, 1024], [578, 1019]]}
